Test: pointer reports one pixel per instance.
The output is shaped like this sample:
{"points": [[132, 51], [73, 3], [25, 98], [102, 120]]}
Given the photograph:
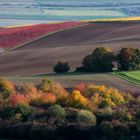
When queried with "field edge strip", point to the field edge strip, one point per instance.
{"points": [[126, 77]]}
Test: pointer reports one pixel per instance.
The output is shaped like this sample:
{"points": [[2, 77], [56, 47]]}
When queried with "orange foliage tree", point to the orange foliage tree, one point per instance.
{"points": [[44, 99], [17, 99]]}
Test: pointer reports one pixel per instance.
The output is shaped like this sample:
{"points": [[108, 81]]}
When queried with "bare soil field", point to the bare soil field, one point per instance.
{"points": [[70, 45]]}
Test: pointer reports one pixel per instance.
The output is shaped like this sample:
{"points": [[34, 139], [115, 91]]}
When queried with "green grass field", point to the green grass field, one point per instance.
{"points": [[131, 76]]}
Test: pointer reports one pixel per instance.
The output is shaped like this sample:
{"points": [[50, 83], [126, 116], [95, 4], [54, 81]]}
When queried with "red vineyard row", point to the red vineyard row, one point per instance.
{"points": [[12, 37]]}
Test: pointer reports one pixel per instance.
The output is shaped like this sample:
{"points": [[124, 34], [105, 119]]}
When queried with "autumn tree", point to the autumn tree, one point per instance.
{"points": [[101, 60], [129, 59]]}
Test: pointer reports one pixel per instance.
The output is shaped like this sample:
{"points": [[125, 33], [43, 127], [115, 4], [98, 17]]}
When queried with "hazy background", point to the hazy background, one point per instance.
{"points": [[18, 12]]}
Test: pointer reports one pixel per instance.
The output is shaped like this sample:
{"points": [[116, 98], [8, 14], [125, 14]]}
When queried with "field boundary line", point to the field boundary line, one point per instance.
{"points": [[127, 78], [48, 34]]}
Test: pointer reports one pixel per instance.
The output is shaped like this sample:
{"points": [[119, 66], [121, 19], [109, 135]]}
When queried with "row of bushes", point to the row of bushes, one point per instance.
{"points": [[48, 92], [103, 60], [47, 110]]}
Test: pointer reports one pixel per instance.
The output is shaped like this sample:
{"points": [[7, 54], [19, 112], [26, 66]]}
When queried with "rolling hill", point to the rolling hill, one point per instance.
{"points": [[70, 45]]}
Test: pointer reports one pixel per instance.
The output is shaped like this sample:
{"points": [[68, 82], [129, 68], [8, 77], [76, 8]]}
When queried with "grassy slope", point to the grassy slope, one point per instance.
{"points": [[132, 76]]}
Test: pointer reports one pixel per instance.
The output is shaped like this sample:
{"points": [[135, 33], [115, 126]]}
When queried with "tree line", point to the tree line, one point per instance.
{"points": [[103, 59]]}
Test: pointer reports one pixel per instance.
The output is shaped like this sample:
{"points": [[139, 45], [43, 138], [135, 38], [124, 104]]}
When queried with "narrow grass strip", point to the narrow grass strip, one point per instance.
{"points": [[126, 77]]}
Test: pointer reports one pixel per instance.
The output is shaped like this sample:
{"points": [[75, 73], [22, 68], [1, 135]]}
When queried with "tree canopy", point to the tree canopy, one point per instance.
{"points": [[129, 59], [101, 60]]}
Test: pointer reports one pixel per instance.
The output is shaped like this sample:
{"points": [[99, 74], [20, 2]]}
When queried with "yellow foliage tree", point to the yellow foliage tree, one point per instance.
{"points": [[6, 88], [77, 100]]}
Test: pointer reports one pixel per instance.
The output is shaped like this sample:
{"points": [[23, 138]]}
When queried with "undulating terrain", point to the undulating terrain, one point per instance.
{"points": [[70, 45], [70, 69]]}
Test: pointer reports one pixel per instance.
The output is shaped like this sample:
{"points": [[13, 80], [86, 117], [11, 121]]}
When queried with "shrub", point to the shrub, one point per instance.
{"points": [[77, 100], [87, 117], [28, 89], [81, 87], [17, 99], [124, 114], [116, 96], [6, 88], [130, 98], [57, 111], [61, 67], [96, 99], [44, 99], [17, 117], [92, 89], [107, 102], [48, 98], [45, 85], [55, 88], [102, 96], [5, 110], [104, 112], [23, 109]]}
